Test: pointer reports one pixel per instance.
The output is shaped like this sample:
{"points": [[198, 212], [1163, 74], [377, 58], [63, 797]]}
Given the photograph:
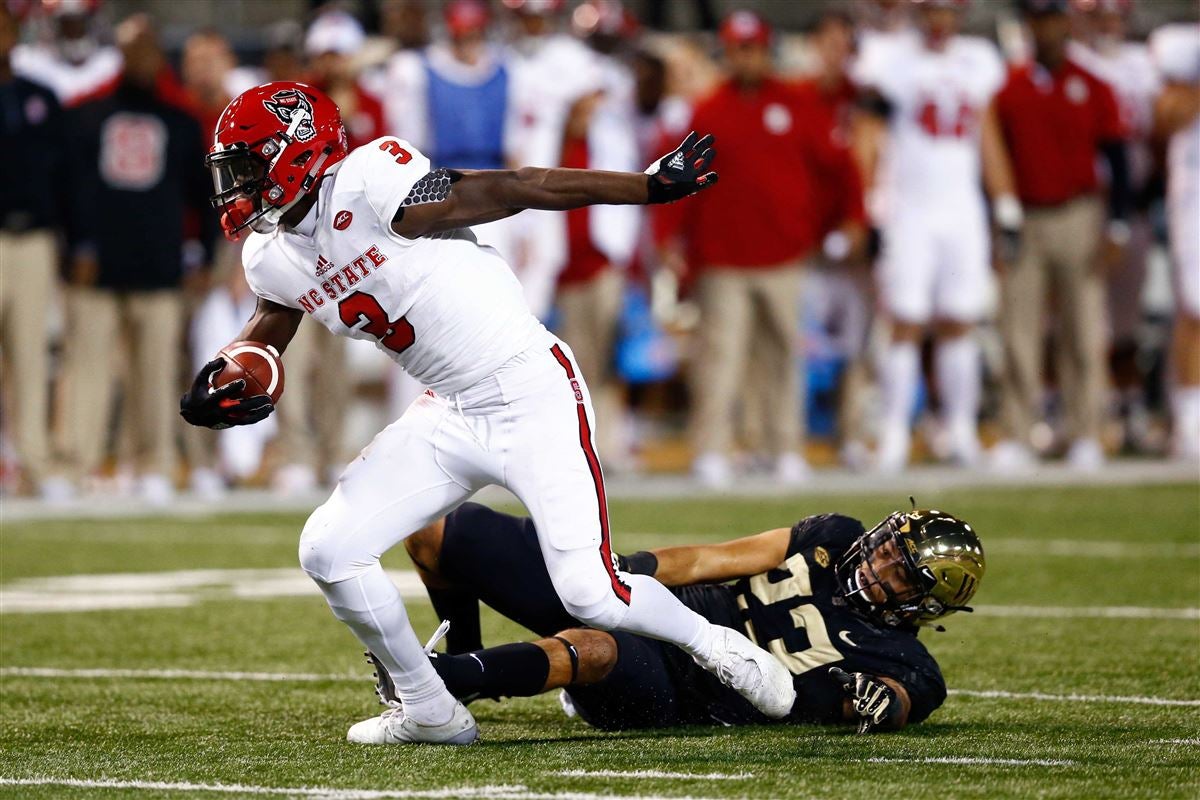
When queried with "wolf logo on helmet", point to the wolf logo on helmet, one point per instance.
{"points": [[285, 103]]}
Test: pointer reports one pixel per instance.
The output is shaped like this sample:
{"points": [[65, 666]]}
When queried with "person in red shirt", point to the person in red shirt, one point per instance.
{"points": [[1056, 117], [747, 241]]}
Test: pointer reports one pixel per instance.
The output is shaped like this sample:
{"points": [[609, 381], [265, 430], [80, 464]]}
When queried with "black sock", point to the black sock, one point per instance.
{"points": [[510, 670], [462, 609]]}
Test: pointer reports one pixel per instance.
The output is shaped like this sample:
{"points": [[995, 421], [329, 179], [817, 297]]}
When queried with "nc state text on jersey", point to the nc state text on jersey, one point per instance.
{"points": [[340, 282]]}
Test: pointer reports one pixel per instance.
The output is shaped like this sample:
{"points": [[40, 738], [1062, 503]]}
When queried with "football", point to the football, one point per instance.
{"points": [[259, 364]]}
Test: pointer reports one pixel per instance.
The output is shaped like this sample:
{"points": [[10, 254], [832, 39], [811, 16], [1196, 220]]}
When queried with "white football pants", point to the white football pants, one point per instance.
{"points": [[528, 427]]}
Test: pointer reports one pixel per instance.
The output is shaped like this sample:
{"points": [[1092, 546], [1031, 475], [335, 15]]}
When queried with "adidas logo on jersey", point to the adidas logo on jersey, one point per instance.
{"points": [[340, 281]]}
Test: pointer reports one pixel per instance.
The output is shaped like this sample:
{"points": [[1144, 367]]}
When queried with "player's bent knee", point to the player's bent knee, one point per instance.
{"points": [[597, 653], [586, 590], [324, 553], [604, 613]]}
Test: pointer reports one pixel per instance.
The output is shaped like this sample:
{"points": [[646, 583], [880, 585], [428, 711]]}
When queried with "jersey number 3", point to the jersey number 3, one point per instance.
{"points": [[361, 310]]}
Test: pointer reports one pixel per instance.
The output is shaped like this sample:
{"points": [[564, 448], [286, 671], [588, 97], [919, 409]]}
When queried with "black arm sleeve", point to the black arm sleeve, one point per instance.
{"points": [[926, 689], [1120, 194]]}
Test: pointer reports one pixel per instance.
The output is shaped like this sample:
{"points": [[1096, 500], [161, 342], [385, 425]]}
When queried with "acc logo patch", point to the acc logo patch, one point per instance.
{"points": [[343, 220], [821, 556]]}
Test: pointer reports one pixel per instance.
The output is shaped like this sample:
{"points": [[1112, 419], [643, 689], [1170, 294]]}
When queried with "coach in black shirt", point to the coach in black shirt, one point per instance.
{"points": [[30, 177], [137, 168]]}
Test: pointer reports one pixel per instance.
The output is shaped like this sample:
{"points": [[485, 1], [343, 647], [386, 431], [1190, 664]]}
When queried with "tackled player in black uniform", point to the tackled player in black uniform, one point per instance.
{"points": [[840, 606]]}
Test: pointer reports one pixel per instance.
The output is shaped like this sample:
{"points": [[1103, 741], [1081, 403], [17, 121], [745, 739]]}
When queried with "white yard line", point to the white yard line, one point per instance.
{"points": [[1189, 742], [1007, 762], [513, 792], [996, 694], [652, 773], [183, 588], [1095, 612], [176, 674], [309, 677]]}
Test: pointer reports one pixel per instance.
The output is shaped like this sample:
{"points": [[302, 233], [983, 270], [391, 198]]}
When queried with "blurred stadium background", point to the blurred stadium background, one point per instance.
{"points": [[113, 311]]}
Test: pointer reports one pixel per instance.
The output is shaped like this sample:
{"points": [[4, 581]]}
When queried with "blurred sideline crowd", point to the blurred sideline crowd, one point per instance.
{"points": [[921, 240]]}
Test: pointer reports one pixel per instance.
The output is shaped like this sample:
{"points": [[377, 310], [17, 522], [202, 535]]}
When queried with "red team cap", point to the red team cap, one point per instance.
{"points": [[744, 27], [465, 17]]}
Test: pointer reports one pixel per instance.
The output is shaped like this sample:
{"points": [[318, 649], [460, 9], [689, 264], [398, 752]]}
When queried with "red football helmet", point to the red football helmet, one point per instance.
{"points": [[271, 145]]}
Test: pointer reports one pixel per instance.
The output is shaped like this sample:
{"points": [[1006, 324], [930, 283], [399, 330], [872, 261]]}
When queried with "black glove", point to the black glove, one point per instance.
{"points": [[876, 703], [207, 407], [682, 171]]}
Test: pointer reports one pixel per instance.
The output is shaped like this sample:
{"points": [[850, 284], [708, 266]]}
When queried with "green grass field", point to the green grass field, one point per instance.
{"points": [[1080, 676]]}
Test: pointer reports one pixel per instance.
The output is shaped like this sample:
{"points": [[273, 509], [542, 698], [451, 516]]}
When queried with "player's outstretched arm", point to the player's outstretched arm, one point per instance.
{"points": [[713, 563], [478, 196]]}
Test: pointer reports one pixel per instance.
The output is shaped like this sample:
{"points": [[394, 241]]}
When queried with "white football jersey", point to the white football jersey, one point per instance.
{"points": [[1176, 51], [445, 308], [938, 99], [70, 82]]}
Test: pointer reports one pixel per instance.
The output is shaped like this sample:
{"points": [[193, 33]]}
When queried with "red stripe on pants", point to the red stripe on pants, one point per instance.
{"points": [[585, 441]]}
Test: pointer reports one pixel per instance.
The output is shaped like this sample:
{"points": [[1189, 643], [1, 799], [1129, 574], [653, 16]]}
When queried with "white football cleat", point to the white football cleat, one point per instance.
{"points": [[393, 727], [750, 671]]}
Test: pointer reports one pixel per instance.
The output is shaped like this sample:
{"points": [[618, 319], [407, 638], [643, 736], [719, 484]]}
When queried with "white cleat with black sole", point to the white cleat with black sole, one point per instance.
{"points": [[752, 672], [393, 727]]}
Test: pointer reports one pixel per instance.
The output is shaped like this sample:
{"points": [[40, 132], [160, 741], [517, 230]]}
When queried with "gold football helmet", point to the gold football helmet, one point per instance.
{"points": [[913, 568]]}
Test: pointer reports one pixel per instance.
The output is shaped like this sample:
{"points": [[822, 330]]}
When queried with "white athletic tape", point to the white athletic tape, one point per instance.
{"points": [[268, 354], [308, 677]]}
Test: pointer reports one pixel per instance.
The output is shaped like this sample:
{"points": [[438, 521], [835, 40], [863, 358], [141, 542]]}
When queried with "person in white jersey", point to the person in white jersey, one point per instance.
{"points": [[1176, 50], [375, 245], [927, 100]]}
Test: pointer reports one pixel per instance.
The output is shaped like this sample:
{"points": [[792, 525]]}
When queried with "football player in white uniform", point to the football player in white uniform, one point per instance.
{"points": [[1176, 50], [927, 98], [375, 244]]}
